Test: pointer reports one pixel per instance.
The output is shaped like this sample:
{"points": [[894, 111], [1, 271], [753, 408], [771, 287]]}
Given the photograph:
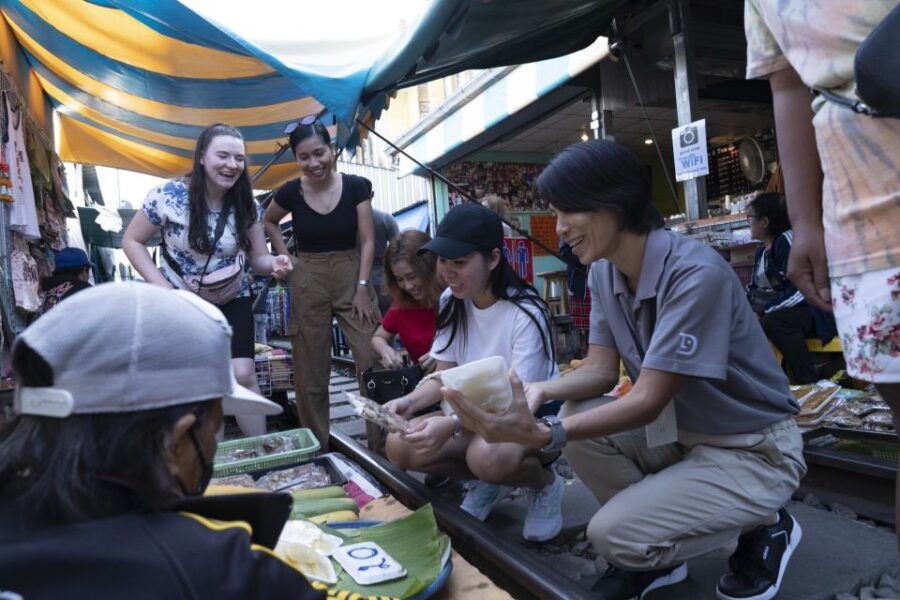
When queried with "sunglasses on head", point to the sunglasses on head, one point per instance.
{"points": [[307, 120]]}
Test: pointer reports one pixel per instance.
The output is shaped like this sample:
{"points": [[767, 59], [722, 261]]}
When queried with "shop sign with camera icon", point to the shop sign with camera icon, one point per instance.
{"points": [[689, 150]]}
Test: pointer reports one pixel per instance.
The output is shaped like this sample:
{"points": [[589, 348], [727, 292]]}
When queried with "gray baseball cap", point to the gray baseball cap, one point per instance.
{"points": [[127, 347]]}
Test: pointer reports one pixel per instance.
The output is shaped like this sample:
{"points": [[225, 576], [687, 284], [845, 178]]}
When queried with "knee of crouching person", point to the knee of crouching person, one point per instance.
{"points": [[399, 452], [606, 535]]}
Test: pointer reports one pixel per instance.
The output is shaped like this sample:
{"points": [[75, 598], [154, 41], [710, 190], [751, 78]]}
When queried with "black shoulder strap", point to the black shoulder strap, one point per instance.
{"points": [[220, 229]]}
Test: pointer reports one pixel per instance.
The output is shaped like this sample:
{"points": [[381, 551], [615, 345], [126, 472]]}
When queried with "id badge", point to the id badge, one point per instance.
{"points": [[664, 430]]}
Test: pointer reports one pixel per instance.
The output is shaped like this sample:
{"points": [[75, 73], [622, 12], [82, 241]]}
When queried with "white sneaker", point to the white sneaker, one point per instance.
{"points": [[544, 519], [482, 497]]}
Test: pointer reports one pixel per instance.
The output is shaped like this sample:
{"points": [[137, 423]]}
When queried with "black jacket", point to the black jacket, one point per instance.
{"points": [[164, 555], [785, 294]]}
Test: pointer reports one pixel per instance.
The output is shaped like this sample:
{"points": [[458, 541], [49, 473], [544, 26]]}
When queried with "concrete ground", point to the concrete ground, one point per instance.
{"points": [[837, 555]]}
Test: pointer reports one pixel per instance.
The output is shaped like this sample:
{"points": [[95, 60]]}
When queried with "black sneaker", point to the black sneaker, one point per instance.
{"points": [[619, 584], [761, 558], [434, 481]]}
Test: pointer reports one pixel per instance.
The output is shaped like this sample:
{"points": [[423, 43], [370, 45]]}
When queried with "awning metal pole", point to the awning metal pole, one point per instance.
{"points": [[578, 266], [269, 163]]}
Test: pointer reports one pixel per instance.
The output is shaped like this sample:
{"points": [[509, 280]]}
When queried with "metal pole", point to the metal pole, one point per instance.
{"points": [[686, 100], [469, 198], [269, 163]]}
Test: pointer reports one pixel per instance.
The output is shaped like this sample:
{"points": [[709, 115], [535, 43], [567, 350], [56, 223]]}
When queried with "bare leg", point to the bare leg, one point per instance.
{"points": [[245, 373], [507, 464], [449, 460]]}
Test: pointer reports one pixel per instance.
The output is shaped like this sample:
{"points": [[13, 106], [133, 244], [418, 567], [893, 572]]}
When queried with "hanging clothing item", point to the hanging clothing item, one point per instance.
{"points": [[23, 216], [26, 284]]}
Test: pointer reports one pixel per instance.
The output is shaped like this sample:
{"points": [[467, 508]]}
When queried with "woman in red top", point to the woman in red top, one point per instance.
{"points": [[415, 287]]}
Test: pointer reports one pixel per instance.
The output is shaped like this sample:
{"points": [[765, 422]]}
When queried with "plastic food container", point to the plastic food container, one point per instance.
{"points": [[484, 383]]}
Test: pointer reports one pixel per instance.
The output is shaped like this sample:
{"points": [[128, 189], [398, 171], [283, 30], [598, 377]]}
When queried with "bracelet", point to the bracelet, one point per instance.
{"points": [[457, 426]]}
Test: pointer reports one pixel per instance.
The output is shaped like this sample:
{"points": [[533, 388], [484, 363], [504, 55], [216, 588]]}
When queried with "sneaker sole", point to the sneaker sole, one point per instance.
{"points": [[676, 576], [796, 536]]}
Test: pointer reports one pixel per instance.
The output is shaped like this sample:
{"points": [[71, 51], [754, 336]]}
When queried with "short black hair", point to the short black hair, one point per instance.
{"points": [[773, 207], [597, 175]]}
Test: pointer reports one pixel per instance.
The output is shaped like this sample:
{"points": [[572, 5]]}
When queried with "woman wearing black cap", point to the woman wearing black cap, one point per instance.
{"points": [[486, 311]]}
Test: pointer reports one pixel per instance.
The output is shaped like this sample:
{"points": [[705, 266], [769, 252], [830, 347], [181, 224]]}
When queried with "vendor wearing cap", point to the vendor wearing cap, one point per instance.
{"points": [[71, 274], [700, 457], [121, 391], [487, 310]]}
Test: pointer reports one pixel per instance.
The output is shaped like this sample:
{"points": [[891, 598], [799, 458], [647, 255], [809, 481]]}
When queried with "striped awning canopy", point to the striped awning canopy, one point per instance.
{"points": [[135, 81]]}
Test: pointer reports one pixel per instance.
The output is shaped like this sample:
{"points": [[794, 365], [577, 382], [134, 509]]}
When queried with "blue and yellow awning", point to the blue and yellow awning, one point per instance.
{"points": [[135, 81]]}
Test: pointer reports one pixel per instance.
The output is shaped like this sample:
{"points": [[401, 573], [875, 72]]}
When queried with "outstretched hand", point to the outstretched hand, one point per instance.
{"points": [[516, 424], [281, 266]]}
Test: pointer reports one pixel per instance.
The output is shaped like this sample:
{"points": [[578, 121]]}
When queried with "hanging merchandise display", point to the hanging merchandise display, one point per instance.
{"points": [[279, 302], [26, 285], [23, 214]]}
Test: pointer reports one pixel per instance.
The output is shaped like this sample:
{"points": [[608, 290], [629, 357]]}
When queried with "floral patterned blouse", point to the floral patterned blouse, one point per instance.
{"points": [[166, 207]]}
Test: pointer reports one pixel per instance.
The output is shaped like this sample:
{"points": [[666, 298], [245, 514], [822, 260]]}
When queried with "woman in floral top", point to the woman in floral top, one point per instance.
{"points": [[185, 213]]}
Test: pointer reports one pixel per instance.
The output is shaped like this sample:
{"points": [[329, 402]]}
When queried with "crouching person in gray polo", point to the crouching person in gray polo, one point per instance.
{"points": [[701, 455]]}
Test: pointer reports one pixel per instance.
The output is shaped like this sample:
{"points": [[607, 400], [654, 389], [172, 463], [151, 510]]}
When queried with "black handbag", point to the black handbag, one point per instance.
{"points": [[383, 385], [877, 70]]}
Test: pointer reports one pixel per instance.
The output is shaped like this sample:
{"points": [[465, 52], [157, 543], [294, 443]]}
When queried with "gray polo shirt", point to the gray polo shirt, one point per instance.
{"points": [[690, 316]]}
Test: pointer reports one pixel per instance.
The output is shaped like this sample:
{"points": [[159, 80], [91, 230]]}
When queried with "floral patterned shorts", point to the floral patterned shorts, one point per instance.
{"points": [[867, 310]]}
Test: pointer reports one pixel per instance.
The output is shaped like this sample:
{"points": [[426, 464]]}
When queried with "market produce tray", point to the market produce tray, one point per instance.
{"points": [[325, 461], [304, 443]]}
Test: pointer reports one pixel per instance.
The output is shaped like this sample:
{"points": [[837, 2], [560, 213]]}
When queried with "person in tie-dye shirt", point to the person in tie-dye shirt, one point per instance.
{"points": [[842, 176]]}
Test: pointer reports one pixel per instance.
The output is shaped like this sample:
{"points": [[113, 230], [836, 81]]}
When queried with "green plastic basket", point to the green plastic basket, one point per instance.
{"points": [[305, 443]]}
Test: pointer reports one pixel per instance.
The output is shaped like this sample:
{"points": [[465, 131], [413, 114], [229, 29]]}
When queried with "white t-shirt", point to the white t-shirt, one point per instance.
{"points": [[502, 329]]}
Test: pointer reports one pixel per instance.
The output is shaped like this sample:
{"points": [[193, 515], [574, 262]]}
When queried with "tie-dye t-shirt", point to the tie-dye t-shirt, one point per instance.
{"points": [[167, 207], [860, 154]]}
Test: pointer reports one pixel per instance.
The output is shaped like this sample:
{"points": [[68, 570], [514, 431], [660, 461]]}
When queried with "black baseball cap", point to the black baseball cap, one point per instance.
{"points": [[466, 228]]}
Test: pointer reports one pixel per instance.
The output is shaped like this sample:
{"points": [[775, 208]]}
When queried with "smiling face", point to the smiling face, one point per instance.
{"points": [[592, 235], [469, 276], [408, 279], [223, 161], [314, 157]]}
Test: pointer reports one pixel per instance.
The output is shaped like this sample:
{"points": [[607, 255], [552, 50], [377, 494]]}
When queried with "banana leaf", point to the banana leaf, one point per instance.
{"points": [[414, 541]]}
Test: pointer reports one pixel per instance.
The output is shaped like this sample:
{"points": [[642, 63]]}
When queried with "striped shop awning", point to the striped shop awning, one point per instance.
{"points": [[135, 81], [134, 92]]}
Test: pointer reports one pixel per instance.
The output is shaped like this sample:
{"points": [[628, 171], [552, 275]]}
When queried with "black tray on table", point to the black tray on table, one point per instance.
{"points": [[324, 461]]}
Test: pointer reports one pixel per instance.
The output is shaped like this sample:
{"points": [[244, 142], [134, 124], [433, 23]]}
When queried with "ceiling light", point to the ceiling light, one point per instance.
{"points": [[648, 142], [584, 136]]}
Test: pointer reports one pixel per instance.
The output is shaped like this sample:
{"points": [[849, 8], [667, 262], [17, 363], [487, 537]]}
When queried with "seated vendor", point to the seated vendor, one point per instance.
{"points": [[71, 274], [701, 455], [121, 389], [785, 316]]}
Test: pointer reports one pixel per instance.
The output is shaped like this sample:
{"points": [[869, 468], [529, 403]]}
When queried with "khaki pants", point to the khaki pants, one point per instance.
{"points": [[665, 505], [323, 285]]}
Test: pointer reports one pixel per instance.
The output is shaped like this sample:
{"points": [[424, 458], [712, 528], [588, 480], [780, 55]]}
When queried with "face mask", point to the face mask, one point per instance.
{"points": [[205, 475]]}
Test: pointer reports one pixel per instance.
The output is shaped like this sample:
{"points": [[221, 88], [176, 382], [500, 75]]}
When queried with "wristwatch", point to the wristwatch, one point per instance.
{"points": [[457, 426], [557, 434], [362, 282]]}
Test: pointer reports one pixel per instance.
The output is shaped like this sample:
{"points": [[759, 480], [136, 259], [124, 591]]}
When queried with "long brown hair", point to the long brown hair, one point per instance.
{"points": [[239, 197], [425, 266]]}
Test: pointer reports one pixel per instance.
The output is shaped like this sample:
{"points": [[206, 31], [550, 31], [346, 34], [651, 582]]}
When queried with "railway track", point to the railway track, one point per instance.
{"points": [[851, 493]]}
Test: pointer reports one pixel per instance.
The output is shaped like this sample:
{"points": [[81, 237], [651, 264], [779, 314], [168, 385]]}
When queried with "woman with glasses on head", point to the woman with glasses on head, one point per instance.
{"points": [[784, 314], [330, 278]]}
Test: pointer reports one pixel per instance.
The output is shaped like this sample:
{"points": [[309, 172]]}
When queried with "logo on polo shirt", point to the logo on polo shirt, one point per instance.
{"points": [[687, 344]]}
